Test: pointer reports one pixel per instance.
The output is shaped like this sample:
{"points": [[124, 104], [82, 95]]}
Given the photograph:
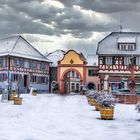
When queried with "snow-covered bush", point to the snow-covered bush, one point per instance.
{"points": [[106, 99], [138, 106], [92, 94]]}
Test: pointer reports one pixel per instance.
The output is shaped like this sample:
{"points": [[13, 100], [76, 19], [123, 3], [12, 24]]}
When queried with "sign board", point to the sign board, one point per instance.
{"points": [[4, 96]]}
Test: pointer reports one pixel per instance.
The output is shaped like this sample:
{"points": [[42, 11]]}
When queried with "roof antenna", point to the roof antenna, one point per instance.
{"points": [[120, 26]]}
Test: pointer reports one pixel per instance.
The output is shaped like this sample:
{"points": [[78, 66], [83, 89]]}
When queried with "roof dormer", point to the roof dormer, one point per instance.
{"points": [[127, 43]]}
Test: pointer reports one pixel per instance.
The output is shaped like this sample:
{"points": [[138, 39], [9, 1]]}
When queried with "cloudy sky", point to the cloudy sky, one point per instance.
{"points": [[67, 24]]}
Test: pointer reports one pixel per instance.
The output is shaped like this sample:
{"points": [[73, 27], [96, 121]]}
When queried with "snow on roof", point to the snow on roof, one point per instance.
{"points": [[127, 40], [109, 45], [55, 56], [92, 60], [18, 46]]}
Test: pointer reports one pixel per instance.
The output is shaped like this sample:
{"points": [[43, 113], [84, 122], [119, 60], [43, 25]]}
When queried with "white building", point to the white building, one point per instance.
{"points": [[114, 56], [22, 65]]}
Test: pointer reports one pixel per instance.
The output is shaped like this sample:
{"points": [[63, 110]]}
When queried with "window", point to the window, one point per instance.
{"points": [[39, 80], [102, 60], [15, 77], [1, 62], [16, 62], [137, 60], [3, 77], [92, 72], [26, 64], [113, 60], [21, 63], [77, 86], [73, 74], [47, 80], [72, 86], [109, 60], [43, 79], [35, 65], [33, 79], [30, 64], [127, 46], [43, 66], [77, 76], [127, 60]]}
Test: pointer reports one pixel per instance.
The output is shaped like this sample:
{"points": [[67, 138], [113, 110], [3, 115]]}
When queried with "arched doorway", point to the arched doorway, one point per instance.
{"points": [[91, 86], [72, 81]]}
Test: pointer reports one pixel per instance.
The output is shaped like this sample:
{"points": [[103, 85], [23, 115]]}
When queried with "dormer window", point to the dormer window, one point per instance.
{"points": [[127, 44], [126, 47]]}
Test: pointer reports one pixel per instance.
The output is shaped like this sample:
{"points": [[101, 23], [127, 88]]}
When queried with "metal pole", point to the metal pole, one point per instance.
{"points": [[132, 79]]}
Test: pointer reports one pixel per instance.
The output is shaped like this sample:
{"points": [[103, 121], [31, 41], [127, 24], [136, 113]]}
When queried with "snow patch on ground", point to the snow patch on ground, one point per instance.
{"points": [[56, 117]]}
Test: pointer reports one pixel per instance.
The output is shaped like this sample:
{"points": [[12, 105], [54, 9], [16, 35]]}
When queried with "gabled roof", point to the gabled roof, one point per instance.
{"points": [[55, 56], [19, 47], [109, 45]]}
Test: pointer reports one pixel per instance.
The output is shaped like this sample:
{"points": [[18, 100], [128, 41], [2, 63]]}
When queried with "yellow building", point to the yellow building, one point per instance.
{"points": [[71, 72]]}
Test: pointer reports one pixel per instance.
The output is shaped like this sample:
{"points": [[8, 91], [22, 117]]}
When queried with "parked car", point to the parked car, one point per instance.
{"points": [[124, 91], [137, 92], [121, 91]]}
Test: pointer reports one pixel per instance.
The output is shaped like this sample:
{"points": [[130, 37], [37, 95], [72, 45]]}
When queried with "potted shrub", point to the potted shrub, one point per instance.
{"points": [[34, 93], [18, 99], [12, 95], [98, 100], [91, 97], [107, 102]]}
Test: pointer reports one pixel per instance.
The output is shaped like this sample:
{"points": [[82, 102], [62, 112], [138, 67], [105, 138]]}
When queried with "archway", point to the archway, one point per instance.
{"points": [[72, 81], [91, 86]]}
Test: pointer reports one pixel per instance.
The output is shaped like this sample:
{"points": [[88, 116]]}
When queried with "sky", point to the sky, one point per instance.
{"points": [[67, 24]]}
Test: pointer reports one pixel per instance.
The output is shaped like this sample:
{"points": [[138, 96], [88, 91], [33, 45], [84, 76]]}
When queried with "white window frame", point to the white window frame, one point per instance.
{"points": [[127, 60], [138, 60], [108, 60]]}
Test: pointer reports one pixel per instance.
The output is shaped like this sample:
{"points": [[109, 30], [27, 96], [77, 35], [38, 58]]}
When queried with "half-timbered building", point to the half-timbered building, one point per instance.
{"points": [[115, 52], [21, 63]]}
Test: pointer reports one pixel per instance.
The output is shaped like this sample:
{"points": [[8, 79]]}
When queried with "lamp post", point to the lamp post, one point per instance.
{"points": [[132, 78]]}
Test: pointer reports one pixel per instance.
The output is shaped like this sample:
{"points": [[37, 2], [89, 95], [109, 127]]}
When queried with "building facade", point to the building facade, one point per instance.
{"points": [[71, 72], [22, 66], [92, 78], [115, 53]]}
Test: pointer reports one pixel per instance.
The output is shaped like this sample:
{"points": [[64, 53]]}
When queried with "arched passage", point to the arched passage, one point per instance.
{"points": [[91, 86], [71, 81]]}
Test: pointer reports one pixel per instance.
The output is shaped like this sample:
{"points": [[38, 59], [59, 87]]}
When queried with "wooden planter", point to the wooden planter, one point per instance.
{"points": [[17, 100], [98, 106], [92, 102], [34, 93], [11, 96], [107, 113]]}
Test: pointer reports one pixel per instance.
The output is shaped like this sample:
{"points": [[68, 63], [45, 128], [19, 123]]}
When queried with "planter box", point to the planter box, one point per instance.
{"points": [[107, 113], [98, 106], [34, 93], [17, 100], [92, 102], [11, 96]]}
